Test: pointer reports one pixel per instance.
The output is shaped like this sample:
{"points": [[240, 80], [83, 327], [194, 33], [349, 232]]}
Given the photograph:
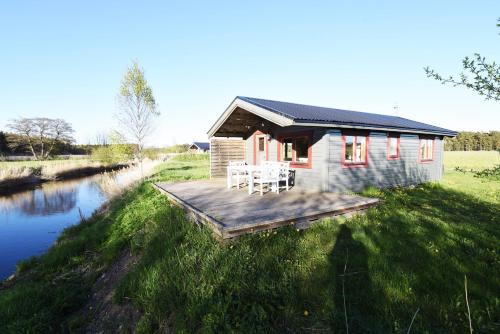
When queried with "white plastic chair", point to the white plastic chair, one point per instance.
{"points": [[284, 174], [269, 176], [237, 173]]}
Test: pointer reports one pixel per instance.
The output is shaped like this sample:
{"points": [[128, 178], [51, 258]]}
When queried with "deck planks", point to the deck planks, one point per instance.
{"points": [[233, 212]]}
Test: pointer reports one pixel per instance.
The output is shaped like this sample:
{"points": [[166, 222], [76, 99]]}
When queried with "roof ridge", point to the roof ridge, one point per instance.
{"points": [[251, 100], [315, 106]]}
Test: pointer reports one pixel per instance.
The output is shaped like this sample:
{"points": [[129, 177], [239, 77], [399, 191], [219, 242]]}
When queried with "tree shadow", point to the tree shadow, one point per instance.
{"points": [[179, 168], [431, 237]]}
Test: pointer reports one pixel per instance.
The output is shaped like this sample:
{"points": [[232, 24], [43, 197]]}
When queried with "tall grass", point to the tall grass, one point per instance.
{"points": [[15, 173], [113, 184], [40, 163], [49, 169]]}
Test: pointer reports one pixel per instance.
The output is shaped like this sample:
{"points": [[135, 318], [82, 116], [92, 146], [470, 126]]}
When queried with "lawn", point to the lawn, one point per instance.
{"points": [[466, 182], [470, 159], [407, 256]]}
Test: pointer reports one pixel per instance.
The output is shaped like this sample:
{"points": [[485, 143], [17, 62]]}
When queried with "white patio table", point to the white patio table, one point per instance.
{"points": [[249, 169]]}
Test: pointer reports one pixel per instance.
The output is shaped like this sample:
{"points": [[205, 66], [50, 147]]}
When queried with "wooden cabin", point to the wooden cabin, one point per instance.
{"points": [[331, 150]]}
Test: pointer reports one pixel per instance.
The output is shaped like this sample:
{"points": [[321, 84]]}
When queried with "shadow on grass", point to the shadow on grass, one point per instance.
{"points": [[177, 168], [422, 243], [409, 253], [355, 296]]}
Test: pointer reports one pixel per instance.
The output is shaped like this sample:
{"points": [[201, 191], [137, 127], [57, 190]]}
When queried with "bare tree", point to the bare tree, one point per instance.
{"points": [[137, 108], [101, 139], [40, 134]]}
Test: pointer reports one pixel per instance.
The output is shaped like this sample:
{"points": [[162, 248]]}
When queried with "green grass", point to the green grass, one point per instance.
{"points": [[470, 159], [409, 253], [484, 189]]}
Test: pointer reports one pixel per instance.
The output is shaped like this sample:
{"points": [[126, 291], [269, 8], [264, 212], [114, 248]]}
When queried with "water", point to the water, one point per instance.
{"points": [[31, 220]]}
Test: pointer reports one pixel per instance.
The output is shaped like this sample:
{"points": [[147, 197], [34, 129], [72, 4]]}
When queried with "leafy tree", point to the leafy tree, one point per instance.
{"points": [[178, 148], [40, 134], [138, 108], [474, 141], [478, 75], [115, 150], [4, 146]]}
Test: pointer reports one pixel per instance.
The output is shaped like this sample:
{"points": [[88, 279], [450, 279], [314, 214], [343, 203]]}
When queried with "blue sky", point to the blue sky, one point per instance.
{"points": [[66, 59]]}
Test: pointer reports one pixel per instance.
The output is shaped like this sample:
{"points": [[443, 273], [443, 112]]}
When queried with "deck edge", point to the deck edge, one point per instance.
{"points": [[232, 232]]}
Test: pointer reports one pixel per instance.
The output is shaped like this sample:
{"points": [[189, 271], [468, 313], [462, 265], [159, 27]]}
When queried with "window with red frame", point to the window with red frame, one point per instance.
{"points": [[355, 150], [393, 147], [296, 148], [426, 149]]}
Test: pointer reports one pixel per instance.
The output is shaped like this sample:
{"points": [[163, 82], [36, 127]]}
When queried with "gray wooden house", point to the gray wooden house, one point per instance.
{"points": [[329, 149]]}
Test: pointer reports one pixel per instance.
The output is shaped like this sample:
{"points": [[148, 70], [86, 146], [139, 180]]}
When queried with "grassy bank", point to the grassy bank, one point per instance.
{"points": [[410, 253]]}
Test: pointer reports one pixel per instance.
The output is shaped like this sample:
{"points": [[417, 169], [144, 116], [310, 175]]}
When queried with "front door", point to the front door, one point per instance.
{"points": [[261, 149]]}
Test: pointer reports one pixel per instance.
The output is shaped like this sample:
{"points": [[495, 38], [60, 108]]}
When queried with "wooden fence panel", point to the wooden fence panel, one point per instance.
{"points": [[222, 151]]}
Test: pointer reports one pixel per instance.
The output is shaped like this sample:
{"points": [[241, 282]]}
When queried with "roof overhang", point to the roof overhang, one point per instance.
{"points": [[261, 112], [285, 121]]}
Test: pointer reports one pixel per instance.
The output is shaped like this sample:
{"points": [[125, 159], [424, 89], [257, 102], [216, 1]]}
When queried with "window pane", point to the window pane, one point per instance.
{"points": [[360, 149], [393, 146], [301, 149], [261, 144], [422, 149], [287, 149], [426, 149], [430, 142], [349, 148]]}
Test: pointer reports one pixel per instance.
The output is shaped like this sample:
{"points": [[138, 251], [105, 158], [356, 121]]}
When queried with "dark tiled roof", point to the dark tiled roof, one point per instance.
{"points": [[306, 113], [202, 146]]}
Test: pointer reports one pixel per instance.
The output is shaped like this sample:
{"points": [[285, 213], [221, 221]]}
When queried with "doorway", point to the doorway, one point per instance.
{"points": [[260, 148]]}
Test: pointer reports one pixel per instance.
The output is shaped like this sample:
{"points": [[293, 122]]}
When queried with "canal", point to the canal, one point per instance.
{"points": [[31, 220]]}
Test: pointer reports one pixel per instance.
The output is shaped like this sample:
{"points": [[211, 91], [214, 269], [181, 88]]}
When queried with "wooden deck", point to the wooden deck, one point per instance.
{"points": [[233, 212]]}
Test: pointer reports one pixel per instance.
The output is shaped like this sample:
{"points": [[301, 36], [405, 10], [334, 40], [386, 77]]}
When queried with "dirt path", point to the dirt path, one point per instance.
{"points": [[100, 313]]}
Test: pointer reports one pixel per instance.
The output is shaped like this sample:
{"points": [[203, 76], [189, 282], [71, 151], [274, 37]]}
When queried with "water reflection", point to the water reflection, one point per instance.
{"points": [[31, 220], [43, 203]]}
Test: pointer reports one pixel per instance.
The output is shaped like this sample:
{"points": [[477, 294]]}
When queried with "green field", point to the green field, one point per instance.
{"points": [[470, 159], [467, 183], [407, 256]]}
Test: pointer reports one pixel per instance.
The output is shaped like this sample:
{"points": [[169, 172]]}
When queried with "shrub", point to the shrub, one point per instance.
{"points": [[492, 174], [192, 157], [151, 153], [179, 148], [489, 173], [112, 154]]}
